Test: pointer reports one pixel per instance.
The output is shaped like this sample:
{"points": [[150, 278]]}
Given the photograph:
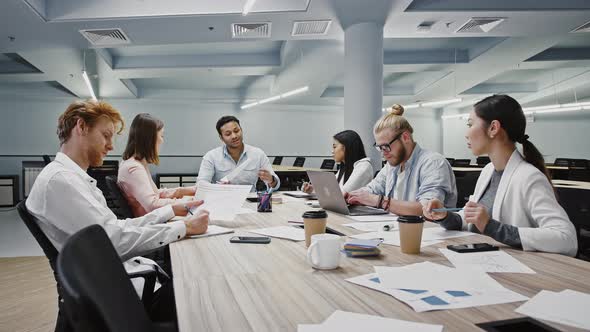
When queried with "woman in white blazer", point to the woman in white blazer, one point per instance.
{"points": [[356, 170], [514, 201]]}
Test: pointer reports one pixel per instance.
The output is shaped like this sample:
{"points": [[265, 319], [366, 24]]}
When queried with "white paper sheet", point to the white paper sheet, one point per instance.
{"points": [[372, 226], [214, 230], [435, 277], [567, 307], [379, 217], [423, 300], [223, 201], [439, 233], [343, 321], [283, 232], [391, 238], [244, 210], [489, 261]]}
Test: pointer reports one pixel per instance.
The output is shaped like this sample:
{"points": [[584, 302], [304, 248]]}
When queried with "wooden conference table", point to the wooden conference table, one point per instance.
{"points": [[223, 286]]}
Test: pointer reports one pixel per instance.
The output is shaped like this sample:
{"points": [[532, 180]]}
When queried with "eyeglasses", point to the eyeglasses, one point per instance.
{"points": [[387, 147]]}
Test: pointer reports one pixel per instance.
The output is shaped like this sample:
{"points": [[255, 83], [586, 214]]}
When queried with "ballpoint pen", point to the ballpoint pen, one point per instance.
{"points": [[188, 210], [447, 210]]}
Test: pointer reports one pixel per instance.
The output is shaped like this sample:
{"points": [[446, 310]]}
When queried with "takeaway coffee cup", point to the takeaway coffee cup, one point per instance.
{"points": [[314, 222], [410, 233], [324, 252]]}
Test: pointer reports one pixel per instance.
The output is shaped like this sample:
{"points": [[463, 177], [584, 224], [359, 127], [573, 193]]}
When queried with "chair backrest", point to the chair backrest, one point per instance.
{"points": [[98, 293], [561, 162], [299, 161], [31, 223], [579, 163], [451, 161], [462, 162], [328, 164], [278, 160], [120, 207], [465, 187], [46, 159], [483, 160]]}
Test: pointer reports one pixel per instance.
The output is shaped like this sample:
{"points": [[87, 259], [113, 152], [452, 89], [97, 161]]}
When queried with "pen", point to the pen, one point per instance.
{"points": [[188, 210], [447, 210]]}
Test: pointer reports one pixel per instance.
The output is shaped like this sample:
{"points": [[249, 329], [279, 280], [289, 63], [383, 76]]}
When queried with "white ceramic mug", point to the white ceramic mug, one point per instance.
{"points": [[324, 251]]}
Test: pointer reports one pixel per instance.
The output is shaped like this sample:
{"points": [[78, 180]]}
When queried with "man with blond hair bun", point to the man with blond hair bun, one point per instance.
{"points": [[411, 175]]}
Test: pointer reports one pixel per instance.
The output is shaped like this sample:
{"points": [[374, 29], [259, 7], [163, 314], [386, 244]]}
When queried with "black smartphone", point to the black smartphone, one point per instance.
{"points": [[516, 325], [250, 239], [472, 247]]}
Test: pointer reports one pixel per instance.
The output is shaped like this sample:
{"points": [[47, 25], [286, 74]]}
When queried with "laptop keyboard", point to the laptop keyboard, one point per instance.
{"points": [[365, 209]]}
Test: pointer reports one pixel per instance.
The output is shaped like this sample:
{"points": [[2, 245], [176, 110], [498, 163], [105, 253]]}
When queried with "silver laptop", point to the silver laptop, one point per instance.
{"points": [[331, 198]]}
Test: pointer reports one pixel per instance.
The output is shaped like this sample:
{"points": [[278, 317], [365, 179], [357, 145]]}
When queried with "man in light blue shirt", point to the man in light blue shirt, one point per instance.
{"points": [[236, 162], [411, 175]]}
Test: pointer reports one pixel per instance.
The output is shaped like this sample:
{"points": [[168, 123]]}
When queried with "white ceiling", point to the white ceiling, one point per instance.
{"points": [[184, 49]]}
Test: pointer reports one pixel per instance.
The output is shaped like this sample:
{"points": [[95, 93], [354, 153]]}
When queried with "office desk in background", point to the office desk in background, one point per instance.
{"points": [[222, 286]]}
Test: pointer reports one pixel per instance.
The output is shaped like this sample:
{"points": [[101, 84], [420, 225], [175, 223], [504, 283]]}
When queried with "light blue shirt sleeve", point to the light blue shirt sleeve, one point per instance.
{"points": [[437, 181], [207, 169], [378, 184]]}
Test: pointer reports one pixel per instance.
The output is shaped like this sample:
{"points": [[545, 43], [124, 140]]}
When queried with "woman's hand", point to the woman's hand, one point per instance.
{"points": [[433, 204], [476, 214]]}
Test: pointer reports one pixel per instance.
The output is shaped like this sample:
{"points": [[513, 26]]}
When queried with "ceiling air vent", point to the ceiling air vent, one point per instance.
{"points": [[480, 24], [250, 30], [583, 28], [105, 37], [310, 28]]}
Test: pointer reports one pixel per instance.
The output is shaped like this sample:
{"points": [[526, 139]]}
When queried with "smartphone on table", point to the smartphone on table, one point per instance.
{"points": [[250, 239], [472, 247]]}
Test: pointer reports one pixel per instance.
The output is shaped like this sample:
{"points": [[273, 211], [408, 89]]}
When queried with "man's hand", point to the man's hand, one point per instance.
{"points": [[197, 224], [362, 197], [266, 177], [182, 209]]}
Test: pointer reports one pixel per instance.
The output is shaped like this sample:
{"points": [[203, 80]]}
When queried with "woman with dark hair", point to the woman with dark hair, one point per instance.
{"points": [[143, 146], [514, 201], [355, 170]]}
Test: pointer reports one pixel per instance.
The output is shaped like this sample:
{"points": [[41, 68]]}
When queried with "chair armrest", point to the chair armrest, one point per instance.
{"points": [[149, 277]]}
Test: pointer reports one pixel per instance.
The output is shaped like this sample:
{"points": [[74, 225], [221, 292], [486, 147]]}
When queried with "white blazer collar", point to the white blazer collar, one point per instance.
{"points": [[486, 176]]}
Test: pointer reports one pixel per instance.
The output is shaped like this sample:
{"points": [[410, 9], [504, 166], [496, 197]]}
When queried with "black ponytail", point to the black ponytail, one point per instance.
{"points": [[508, 112]]}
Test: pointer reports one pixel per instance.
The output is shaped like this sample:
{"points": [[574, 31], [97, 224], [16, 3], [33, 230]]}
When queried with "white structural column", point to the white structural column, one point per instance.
{"points": [[363, 83]]}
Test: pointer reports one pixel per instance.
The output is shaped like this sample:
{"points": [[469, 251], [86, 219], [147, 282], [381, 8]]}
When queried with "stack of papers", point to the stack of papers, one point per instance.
{"points": [[489, 261], [372, 226], [567, 307], [379, 217], [343, 321], [282, 232], [223, 201], [362, 248], [428, 286], [430, 236]]}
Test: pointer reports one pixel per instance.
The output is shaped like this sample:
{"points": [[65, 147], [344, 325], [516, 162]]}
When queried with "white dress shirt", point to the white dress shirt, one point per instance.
{"points": [[65, 199]]}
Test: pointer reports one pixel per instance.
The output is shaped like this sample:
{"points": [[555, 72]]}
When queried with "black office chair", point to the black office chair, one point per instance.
{"points": [[51, 253], [299, 161], [46, 159], [328, 164], [278, 160], [483, 160], [98, 294], [561, 162], [462, 162], [451, 161], [465, 187], [120, 206], [576, 203]]}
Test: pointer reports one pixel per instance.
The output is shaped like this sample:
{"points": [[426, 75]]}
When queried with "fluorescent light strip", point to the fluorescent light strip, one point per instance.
{"points": [[247, 7], [294, 92], [277, 97], [409, 107], [441, 102], [88, 85], [539, 110]]}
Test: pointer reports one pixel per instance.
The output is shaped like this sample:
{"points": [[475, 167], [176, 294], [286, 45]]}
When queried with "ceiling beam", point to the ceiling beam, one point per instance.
{"points": [[495, 88], [109, 85]]}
